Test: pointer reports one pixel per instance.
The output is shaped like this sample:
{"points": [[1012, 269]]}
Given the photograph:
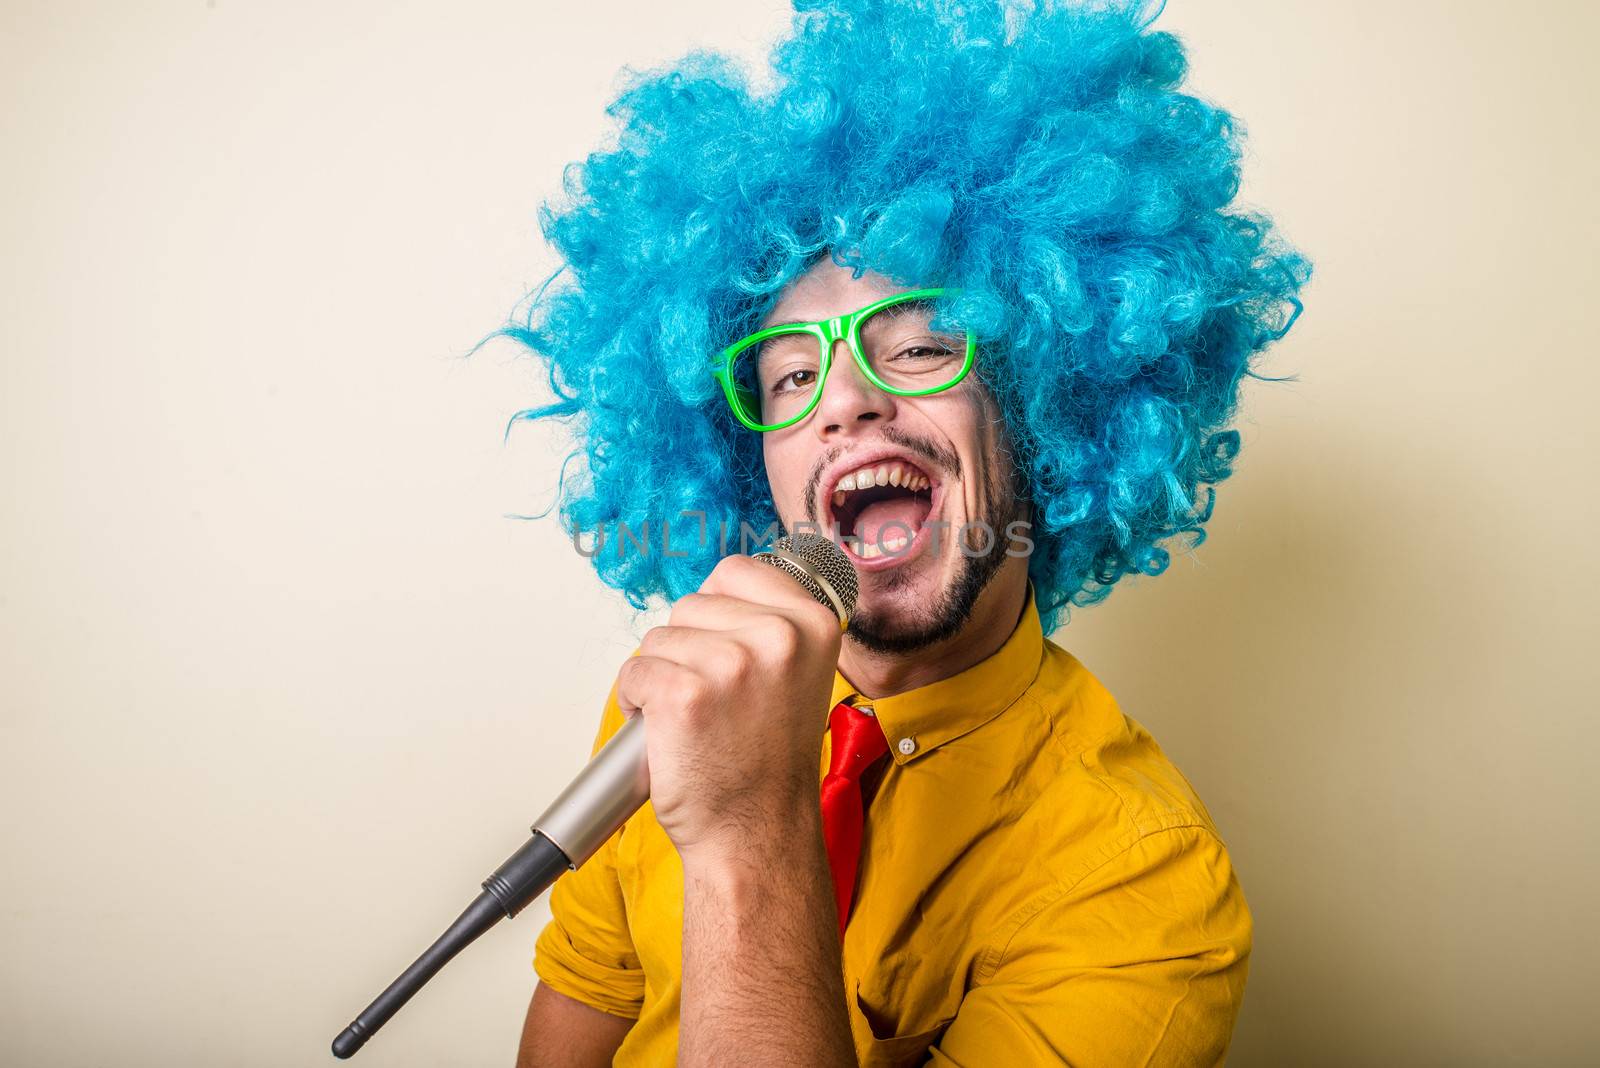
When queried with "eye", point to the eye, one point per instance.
{"points": [[794, 380], [923, 352]]}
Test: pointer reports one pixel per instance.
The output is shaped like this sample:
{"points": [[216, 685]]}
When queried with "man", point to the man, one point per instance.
{"points": [[999, 867]]}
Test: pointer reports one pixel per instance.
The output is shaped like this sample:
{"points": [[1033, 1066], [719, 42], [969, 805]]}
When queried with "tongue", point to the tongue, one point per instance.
{"points": [[901, 515]]}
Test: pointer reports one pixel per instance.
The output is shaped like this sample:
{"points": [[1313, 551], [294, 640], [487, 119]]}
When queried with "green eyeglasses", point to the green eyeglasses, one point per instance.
{"points": [[774, 377]]}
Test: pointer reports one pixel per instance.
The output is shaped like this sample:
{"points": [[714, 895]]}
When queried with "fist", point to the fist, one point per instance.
{"points": [[734, 691]]}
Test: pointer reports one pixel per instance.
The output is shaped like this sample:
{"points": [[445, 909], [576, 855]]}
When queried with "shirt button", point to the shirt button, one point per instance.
{"points": [[907, 746], [865, 710]]}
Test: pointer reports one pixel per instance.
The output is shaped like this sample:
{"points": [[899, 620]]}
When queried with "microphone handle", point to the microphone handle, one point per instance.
{"points": [[599, 800], [610, 788]]}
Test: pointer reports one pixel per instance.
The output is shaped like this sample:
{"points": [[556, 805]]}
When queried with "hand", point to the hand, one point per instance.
{"points": [[734, 691]]}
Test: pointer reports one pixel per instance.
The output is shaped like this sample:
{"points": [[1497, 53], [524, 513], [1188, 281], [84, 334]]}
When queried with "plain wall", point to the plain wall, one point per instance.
{"points": [[281, 683]]}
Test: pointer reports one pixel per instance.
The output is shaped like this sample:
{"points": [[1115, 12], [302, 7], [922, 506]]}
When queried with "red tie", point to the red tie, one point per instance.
{"points": [[856, 744]]}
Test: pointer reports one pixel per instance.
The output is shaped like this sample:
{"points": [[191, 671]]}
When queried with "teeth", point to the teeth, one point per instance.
{"points": [[891, 474], [869, 551], [894, 545]]}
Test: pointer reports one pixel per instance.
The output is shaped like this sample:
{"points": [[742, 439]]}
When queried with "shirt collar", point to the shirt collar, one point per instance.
{"points": [[921, 720]]}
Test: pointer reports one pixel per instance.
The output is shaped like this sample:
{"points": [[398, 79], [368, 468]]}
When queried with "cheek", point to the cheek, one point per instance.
{"points": [[976, 439], [785, 476], [959, 414], [963, 422]]}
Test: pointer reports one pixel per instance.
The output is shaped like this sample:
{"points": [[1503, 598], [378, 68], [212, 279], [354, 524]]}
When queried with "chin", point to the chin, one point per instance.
{"points": [[912, 608], [902, 609]]}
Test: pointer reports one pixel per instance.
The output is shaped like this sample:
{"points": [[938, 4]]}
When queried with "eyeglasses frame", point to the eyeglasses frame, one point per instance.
{"points": [[828, 332]]}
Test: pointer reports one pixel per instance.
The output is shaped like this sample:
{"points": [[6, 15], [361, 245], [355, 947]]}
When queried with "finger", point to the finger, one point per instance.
{"points": [[648, 682], [692, 646], [779, 588], [748, 578], [718, 611]]}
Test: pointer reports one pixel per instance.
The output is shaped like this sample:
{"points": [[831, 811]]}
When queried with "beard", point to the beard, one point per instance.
{"points": [[1004, 500]]}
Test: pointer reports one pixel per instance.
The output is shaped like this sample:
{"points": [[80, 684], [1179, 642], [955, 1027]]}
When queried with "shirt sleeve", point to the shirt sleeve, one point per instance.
{"points": [[1142, 962], [586, 950]]}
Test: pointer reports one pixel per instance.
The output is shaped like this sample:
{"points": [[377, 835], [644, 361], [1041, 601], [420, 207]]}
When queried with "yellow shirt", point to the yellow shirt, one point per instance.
{"points": [[1038, 885]]}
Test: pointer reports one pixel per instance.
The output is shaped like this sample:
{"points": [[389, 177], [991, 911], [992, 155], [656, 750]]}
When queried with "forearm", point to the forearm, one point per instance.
{"points": [[762, 979]]}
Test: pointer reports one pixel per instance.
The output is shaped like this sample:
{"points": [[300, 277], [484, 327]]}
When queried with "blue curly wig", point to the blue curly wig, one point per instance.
{"points": [[1036, 155]]}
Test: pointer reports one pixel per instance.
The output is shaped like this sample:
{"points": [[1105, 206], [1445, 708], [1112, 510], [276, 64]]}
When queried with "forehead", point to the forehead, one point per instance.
{"points": [[827, 290]]}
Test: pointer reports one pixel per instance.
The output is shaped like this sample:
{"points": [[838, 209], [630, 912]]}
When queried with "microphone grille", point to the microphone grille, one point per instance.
{"points": [[812, 560]]}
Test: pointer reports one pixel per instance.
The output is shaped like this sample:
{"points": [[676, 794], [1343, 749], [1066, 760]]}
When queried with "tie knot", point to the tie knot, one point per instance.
{"points": [[855, 741]]}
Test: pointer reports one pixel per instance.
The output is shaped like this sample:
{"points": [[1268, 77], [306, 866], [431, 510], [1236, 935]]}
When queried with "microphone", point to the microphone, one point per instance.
{"points": [[614, 785]]}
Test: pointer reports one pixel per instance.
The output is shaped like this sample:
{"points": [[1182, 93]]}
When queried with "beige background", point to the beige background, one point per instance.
{"points": [[280, 683]]}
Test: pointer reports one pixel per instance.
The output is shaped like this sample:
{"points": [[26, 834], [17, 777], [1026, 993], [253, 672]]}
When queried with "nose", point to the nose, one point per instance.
{"points": [[848, 398]]}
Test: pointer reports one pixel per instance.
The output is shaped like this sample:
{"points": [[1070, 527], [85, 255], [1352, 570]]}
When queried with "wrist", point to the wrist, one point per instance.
{"points": [[784, 844]]}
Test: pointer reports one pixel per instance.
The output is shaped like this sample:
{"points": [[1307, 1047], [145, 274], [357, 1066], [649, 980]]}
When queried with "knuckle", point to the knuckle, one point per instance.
{"points": [[724, 574], [782, 634], [688, 690], [738, 660], [691, 606], [821, 618]]}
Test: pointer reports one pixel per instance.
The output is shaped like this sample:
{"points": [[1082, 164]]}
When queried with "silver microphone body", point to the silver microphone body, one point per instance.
{"points": [[614, 785], [616, 782]]}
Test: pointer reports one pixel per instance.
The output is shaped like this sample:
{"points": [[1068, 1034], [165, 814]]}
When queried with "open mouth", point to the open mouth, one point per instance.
{"points": [[881, 508]]}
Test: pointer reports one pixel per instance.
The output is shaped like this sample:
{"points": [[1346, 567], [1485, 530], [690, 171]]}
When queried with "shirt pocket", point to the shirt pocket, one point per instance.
{"points": [[877, 1049]]}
